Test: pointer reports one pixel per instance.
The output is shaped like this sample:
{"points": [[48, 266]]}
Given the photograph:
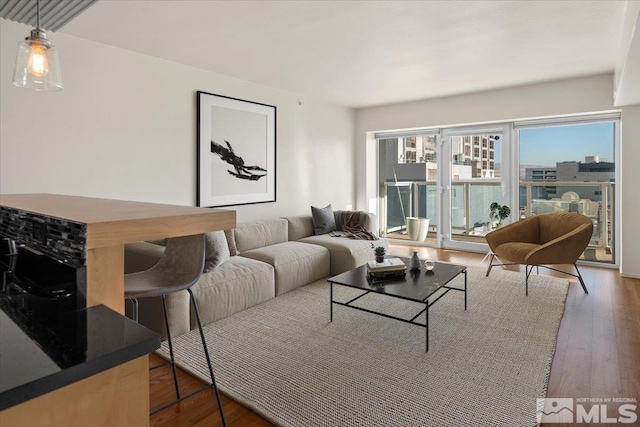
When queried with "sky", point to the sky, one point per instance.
{"points": [[547, 145]]}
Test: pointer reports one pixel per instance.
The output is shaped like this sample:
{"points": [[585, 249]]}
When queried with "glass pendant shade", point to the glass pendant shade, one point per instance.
{"points": [[37, 65]]}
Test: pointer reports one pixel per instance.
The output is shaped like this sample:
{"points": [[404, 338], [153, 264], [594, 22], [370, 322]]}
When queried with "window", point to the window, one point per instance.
{"points": [[578, 158], [532, 166]]}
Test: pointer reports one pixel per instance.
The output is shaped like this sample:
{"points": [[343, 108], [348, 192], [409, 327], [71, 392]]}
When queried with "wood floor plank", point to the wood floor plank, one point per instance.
{"points": [[605, 358], [627, 324], [597, 352]]}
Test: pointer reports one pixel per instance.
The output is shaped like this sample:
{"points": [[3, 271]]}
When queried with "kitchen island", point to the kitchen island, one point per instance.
{"points": [[119, 395]]}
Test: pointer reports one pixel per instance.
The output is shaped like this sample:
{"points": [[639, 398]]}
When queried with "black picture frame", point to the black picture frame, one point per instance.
{"points": [[236, 151]]}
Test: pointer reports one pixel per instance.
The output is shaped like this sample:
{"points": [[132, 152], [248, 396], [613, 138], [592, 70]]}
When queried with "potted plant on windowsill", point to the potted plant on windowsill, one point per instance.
{"points": [[498, 213]]}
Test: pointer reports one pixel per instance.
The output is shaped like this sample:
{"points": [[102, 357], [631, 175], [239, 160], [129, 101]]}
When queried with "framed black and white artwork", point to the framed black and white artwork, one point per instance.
{"points": [[236, 151]]}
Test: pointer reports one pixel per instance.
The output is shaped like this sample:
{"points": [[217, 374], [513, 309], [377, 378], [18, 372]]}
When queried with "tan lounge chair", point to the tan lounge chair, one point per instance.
{"points": [[542, 240]]}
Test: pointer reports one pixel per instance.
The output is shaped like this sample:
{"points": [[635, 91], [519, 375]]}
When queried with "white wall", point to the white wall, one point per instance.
{"points": [[630, 189], [572, 96], [124, 128]]}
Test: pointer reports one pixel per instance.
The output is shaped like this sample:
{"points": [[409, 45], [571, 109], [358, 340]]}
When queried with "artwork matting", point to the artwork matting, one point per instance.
{"points": [[236, 141]]}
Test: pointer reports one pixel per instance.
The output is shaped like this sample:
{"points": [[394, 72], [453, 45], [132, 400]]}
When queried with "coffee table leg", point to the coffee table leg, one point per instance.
{"points": [[465, 290], [426, 326], [331, 302]]}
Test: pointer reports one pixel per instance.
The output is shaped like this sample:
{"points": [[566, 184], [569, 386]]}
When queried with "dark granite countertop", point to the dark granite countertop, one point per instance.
{"points": [[41, 352]]}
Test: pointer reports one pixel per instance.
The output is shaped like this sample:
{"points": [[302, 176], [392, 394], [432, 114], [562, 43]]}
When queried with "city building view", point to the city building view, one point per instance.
{"points": [[561, 168]]}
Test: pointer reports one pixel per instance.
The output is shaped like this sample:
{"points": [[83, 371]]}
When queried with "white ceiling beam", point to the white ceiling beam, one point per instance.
{"points": [[54, 14]]}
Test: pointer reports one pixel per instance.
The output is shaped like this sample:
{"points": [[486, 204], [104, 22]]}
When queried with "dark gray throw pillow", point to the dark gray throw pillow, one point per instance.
{"points": [[323, 220]]}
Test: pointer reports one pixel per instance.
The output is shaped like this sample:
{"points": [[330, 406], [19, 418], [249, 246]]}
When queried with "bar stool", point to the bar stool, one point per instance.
{"points": [[178, 269]]}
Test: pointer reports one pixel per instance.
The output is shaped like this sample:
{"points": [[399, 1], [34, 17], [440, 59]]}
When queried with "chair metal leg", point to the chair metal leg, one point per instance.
{"points": [[173, 360], [206, 353], [490, 264], [580, 278], [134, 305], [528, 272]]}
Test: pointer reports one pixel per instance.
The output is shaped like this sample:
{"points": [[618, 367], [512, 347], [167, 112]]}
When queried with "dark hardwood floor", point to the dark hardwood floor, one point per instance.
{"points": [[597, 354]]}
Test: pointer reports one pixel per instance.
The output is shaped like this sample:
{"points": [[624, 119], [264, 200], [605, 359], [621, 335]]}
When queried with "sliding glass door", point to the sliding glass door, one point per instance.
{"points": [[473, 177], [436, 186]]}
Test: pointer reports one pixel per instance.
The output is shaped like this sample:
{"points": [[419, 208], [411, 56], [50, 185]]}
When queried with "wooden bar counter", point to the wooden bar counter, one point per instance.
{"points": [[120, 395]]}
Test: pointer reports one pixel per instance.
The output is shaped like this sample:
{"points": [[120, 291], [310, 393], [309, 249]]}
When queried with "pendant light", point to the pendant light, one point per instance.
{"points": [[37, 66]]}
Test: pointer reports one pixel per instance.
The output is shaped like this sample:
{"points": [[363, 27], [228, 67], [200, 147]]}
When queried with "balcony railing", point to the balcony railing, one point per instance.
{"points": [[595, 199], [471, 200]]}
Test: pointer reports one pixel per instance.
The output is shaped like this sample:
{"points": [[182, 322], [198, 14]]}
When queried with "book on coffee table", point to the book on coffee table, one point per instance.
{"points": [[389, 265]]}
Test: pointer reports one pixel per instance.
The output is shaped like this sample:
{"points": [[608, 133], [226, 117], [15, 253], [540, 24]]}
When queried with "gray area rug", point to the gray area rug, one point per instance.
{"points": [[485, 366]]}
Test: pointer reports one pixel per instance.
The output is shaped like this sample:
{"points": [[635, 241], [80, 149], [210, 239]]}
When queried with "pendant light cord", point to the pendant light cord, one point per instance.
{"points": [[38, 14]]}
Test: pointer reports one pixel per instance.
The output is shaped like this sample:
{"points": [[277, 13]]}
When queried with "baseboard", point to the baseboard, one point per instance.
{"points": [[629, 276]]}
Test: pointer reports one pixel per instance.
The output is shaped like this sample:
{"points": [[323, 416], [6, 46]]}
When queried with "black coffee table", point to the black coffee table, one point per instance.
{"points": [[416, 286]]}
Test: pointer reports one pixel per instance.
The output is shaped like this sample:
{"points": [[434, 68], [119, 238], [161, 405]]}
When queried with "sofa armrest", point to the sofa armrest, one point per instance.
{"points": [[371, 224]]}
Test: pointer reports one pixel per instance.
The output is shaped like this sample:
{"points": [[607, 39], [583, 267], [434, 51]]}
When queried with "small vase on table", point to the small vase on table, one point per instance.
{"points": [[414, 261]]}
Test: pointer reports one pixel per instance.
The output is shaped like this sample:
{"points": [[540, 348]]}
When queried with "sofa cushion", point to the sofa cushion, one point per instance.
{"points": [[258, 234], [323, 219], [234, 286], [300, 226], [216, 250], [346, 253], [296, 264]]}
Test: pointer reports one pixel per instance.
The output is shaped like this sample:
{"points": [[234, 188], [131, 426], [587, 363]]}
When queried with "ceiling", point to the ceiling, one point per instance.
{"points": [[365, 53], [54, 14]]}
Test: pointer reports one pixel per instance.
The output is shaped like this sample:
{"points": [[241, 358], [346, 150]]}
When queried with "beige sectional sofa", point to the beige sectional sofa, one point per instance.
{"points": [[345, 253], [295, 263], [275, 256]]}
